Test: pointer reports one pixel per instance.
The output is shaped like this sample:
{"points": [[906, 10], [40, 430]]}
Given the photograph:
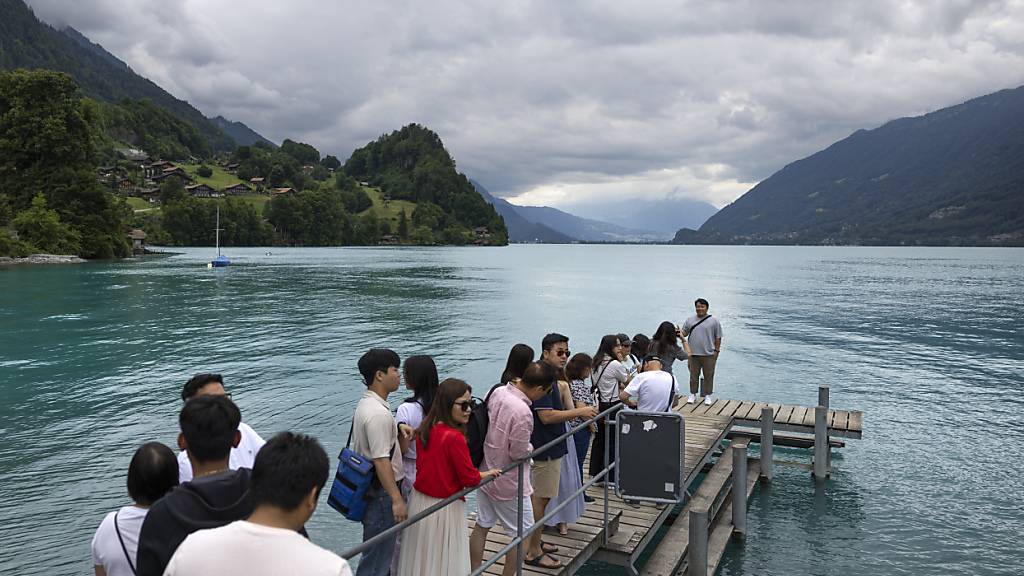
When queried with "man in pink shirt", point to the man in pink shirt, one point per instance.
{"points": [[508, 439]]}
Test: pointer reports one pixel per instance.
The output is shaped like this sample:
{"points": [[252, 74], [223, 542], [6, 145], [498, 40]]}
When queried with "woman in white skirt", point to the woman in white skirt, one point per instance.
{"points": [[439, 544]]}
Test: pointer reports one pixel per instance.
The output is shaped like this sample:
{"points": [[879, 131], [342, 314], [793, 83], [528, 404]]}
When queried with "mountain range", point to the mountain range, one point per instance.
{"points": [[951, 177], [553, 226], [27, 42]]}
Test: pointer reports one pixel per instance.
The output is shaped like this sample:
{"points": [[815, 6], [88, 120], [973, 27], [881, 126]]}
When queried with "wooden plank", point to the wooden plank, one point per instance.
{"points": [[841, 419], [783, 413], [797, 417], [755, 412], [742, 409], [856, 423], [729, 410], [809, 417]]}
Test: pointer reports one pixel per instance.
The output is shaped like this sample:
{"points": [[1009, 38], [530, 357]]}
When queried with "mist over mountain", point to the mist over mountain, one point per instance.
{"points": [[519, 228], [657, 216]]}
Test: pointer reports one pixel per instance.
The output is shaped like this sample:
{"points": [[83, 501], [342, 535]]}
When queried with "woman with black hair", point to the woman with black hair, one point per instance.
{"points": [[421, 378], [611, 378], [439, 544], [641, 345], [665, 345], [153, 471], [519, 357]]}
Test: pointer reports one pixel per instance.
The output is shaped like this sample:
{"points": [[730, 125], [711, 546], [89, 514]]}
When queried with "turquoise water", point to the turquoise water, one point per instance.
{"points": [[928, 342]]}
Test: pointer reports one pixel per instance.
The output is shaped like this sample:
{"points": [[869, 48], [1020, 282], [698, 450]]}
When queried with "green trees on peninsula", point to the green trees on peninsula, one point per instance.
{"points": [[48, 145]]}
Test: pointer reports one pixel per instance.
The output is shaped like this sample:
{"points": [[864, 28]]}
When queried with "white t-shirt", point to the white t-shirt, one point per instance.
{"points": [[249, 549], [242, 456], [106, 548], [410, 413], [650, 389], [610, 377]]}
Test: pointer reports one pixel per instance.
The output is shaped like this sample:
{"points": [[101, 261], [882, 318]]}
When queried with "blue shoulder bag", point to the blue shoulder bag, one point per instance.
{"points": [[354, 477]]}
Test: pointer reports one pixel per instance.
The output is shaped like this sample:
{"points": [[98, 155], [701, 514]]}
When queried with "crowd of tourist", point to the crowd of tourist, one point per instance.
{"points": [[231, 503]]}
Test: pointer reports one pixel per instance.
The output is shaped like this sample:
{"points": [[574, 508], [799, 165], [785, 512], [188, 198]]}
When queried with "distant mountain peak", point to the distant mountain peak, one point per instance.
{"points": [[954, 176], [242, 134]]}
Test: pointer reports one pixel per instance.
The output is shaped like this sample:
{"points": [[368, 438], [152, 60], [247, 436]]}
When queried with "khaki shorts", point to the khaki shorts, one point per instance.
{"points": [[544, 476]]}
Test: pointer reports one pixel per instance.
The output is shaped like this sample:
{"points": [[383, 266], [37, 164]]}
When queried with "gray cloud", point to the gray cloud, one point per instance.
{"points": [[569, 102]]}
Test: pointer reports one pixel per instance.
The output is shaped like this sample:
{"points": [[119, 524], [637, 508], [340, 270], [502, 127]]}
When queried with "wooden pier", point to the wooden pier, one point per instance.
{"points": [[633, 527]]}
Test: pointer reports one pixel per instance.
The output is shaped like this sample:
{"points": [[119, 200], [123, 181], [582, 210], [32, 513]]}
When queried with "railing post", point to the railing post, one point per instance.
{"points": [[823, 395], [519, 524], [767, 442], [820, 442], [739, 489], [607, 476], [697, 551]]}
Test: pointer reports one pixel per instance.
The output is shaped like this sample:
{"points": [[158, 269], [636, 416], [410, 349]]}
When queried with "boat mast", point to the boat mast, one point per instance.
{"points": [[217, 229]]}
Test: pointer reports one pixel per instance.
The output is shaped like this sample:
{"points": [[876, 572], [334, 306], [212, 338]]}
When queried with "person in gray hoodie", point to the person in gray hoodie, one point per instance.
{"points": [[216, 495]]}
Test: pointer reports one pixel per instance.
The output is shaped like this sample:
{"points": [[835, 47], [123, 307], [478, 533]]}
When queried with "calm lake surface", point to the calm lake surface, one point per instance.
{"points": [[928, 342]]}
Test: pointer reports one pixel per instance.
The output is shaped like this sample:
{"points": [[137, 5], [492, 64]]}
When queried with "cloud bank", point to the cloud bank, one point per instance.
{"points": [[572, 102]]}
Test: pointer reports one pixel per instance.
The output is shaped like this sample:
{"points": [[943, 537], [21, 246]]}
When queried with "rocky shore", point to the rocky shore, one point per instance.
{"points": [[42, 259]]}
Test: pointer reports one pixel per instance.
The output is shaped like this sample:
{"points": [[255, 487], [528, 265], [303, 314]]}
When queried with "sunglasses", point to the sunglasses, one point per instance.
{"points": [[562, 353], [465, 405]]}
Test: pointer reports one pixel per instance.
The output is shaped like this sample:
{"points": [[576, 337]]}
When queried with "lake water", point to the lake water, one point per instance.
{"points": [[928, 342]]}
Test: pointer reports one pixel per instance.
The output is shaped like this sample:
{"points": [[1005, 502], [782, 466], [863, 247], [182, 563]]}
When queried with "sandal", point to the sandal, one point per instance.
{"points": [[538, 562], [563, 530], [548, 548]]}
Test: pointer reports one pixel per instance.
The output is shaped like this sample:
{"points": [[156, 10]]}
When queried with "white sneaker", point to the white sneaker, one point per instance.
{"points": [[691, 399], [708, 401]]}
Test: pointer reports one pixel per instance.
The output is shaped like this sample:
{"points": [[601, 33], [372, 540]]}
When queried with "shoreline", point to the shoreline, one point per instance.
{"points": [[42, 259]]}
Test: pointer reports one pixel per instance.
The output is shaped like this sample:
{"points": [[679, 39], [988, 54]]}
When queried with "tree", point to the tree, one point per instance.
{"points": [[43, 229], [204, 171], [171, 190], [304, 153], [331, 162], [403, 225], [48, 141]]}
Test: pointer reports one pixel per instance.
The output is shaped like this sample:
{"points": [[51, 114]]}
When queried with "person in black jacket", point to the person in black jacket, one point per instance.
{"points": [[216, 496]]}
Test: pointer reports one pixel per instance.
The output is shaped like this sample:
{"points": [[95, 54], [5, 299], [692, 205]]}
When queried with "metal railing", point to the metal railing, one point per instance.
{"points": [[516, 542]]}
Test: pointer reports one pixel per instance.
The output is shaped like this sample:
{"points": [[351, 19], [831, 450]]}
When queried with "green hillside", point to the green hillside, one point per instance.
{"points": [[412, 164], [26, 42]]}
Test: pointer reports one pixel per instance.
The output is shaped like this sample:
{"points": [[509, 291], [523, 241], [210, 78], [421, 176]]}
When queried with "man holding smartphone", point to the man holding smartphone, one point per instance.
{"points": [[704, 338]]}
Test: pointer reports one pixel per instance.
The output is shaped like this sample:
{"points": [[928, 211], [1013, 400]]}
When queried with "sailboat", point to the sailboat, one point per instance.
{"points": [[221, 261]]}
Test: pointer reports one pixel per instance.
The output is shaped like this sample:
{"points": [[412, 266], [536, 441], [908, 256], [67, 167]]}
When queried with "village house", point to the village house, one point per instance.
{"points": [[307, 169], [138, 240], [156, 168], [125, 185], [259, 184], [149, 194], [239, 189], [482, 234], [175, 171], [232, 168], [282, 192], [201, 191]]}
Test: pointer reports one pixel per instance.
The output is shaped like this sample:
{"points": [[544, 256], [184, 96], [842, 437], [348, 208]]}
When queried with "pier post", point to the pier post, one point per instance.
{"points": [[739, 489], [767, 442], [820, 442], [697, 551], [823, 401]]}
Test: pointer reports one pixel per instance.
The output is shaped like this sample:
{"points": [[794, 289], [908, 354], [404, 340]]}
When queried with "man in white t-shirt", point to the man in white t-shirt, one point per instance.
{"points": [[287, 477], [652, 390], [243, 455]]}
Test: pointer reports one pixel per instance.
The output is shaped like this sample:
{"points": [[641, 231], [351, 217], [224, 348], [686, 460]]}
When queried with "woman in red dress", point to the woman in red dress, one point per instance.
{"points": [[439, 544]]}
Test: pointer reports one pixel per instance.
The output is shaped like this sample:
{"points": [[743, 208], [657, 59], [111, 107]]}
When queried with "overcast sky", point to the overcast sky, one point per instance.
{"points": [[565, 102]]}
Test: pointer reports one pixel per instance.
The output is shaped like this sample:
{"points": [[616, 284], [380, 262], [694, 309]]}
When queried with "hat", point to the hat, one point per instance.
{"points": [[652, 358]]}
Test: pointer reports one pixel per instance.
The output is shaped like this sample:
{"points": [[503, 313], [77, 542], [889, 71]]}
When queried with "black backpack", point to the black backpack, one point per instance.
{"points": [[476, 429]]}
